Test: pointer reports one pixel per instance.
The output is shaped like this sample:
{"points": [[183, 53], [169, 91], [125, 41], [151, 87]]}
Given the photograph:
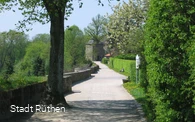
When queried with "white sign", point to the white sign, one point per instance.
{"points": [[137, 61]]}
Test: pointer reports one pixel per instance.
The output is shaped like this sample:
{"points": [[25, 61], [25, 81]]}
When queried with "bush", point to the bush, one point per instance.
{"points": [[88, 62], [126, 56], [38, 67], [16, 81], [105, 60], [127, 65], [169, 33]]}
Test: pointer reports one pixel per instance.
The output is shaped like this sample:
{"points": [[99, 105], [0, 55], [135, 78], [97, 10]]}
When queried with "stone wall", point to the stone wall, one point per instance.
{"points": [[94, 52], [89, 52], [80, 75], [94, 69], [32, 94], [20, 97], [100, 52]]}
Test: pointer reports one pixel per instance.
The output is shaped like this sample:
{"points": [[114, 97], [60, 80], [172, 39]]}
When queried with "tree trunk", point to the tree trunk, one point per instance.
{"points": [[56, 65], [55, 79]]}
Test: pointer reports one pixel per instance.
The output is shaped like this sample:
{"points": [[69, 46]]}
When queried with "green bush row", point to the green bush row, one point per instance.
{"points": [[126, 56], [128, 66], [169, 55], [105, 60]]}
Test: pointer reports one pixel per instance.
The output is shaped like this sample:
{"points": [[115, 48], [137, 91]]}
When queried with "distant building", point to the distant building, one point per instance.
{"points": [[94, 51]]}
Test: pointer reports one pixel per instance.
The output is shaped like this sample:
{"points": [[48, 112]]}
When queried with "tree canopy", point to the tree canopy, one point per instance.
{"points": [[125, 27], [34, 51], [12, 47], [74, 47], [97, 28]]}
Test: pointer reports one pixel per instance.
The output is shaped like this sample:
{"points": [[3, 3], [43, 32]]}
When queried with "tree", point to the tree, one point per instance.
{"points": [[74, 47], [38, 67], [44, 11], [42, 37], [97, 29], [37, 53], [12, 47], [125, 26], [169, 34], [45, 38]]}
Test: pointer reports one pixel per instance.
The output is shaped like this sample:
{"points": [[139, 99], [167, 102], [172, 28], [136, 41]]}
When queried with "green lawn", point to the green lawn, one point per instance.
{"points": [[136, 91]]}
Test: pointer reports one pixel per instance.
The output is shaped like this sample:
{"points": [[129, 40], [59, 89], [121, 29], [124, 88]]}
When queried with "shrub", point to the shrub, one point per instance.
{"points": [[169, 30], [105, 60], [126, 56], [38, 67], [127, 65], [15, 81]]}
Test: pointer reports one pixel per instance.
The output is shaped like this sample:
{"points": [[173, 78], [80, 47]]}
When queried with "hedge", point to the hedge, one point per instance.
{"points": [[127, 65], [126, 56], [105, 60], [169, 53]]}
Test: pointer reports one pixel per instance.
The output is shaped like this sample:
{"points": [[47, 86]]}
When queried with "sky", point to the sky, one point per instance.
{"points": [[80, 17]]}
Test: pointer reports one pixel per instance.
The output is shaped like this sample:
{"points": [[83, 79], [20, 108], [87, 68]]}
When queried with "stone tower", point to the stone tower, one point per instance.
{"points": [[94, 51]]}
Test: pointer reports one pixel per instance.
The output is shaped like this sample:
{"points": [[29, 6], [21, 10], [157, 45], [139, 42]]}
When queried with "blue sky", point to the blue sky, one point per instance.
{"points": [[80, 17]]}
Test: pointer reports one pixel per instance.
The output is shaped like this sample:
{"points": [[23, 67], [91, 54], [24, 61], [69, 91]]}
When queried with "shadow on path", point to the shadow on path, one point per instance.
{"points": [[90, 111]]}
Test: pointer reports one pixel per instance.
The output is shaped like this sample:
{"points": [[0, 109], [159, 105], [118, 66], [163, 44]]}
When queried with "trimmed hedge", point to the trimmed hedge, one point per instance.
{"points": [[127, 65], [126, 56], [105, 60], [169, 53]]}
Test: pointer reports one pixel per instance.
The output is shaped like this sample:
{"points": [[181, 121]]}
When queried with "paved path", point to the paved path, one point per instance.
{"points": [[102, 98]]}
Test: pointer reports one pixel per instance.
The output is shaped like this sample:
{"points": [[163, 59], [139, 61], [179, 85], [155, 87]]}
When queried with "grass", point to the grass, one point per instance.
{"points": [[136, 91], [14, 82]]}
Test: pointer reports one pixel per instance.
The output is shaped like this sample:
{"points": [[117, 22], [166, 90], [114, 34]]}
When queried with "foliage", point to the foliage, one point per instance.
{"points": [[125, 27], [37, 11], [97, 29], [38, 67], [105, 60], [136, 90], [12, 48], [36, 50], [9, 70], [169, 37], [127, 65], [41, 37], [126, 56], [16, 81], [74, 48]]}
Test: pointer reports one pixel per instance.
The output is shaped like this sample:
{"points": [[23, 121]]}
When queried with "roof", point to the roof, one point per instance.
{"points": [[108, 55]]}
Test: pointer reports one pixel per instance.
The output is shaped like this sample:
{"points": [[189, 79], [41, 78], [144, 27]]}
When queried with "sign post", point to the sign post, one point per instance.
{"points": [[137, 67]]}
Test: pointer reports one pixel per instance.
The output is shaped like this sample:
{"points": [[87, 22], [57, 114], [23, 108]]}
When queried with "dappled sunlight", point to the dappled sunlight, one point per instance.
{"points": [[93, 111]]}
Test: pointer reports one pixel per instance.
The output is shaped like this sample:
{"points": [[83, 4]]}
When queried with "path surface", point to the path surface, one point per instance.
{"points": [[102, 98]]}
